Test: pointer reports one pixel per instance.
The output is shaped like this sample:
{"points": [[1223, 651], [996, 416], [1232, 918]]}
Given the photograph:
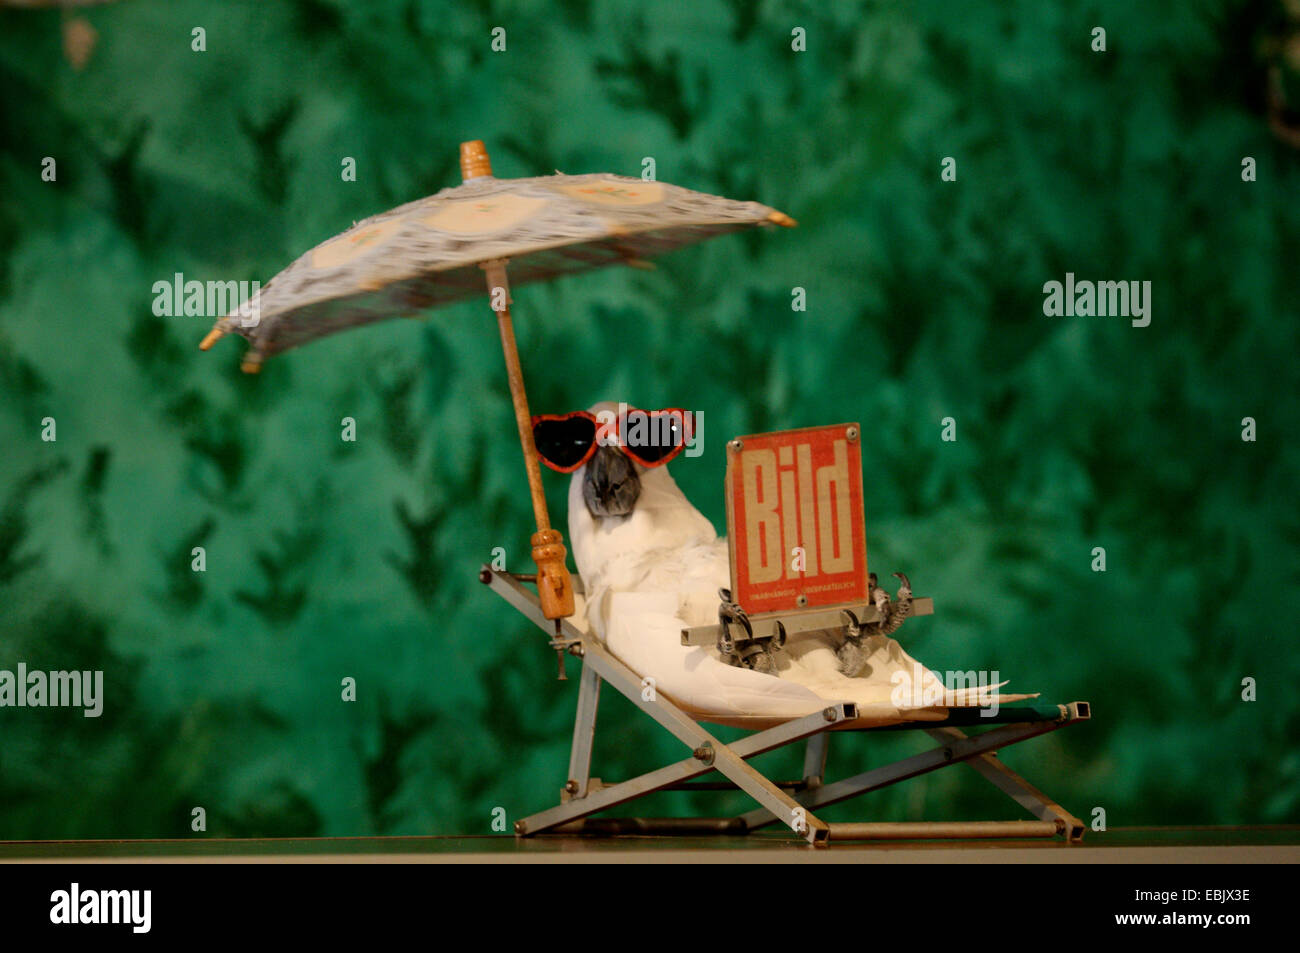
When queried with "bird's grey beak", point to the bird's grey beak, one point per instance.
{"points": [[611, 486]]}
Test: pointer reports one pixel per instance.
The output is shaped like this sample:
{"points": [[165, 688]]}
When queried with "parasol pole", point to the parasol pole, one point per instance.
{"points": [[554, 587]]}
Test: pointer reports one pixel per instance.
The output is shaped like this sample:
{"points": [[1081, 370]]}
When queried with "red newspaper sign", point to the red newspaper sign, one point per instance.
{"points": [[795, 519]]}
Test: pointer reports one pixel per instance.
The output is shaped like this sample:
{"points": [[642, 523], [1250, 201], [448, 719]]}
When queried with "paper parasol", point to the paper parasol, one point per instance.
{"points": [[441, 249]]}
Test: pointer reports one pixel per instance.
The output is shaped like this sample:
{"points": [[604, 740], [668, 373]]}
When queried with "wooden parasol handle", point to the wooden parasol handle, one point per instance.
{"points": [[554, 586]]}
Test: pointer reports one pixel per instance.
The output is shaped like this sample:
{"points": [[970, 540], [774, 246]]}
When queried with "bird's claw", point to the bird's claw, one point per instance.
{"points": [[905, 587], [755, 654], [729, 612], [852, 655], [852, 659], [852, 627], [760, 661], [894, 614]]}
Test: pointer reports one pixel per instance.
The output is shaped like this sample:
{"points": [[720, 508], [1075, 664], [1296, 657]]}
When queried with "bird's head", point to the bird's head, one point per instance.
{"points": [[610, 483], [611, 448]]}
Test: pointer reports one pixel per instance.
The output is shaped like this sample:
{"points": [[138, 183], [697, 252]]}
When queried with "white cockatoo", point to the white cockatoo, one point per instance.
{"points": [[652, 565]]}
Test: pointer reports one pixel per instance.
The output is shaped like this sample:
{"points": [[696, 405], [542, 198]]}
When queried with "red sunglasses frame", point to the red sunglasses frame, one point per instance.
{"points": [[603, 432]]}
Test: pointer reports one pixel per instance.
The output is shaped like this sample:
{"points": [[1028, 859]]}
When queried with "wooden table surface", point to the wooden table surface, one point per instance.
{"points": [[1265, 844]]}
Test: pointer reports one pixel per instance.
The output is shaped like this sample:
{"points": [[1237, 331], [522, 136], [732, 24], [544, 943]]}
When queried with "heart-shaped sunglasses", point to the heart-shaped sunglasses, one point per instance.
{"points": [[650, 437]]}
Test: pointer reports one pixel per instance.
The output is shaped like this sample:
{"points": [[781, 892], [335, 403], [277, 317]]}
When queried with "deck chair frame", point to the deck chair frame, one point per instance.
{"points": [[790, 803]]}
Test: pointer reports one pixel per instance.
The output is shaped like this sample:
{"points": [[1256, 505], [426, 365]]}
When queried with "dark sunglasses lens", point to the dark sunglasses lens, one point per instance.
{"points": [[652, 438], [563, 443]]}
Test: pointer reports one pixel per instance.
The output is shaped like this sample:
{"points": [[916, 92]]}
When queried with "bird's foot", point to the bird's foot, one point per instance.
{"points": [[852, 659], [904, 590], [759, 655], [762, 660], [894, 614], [880, 599], [731, 612], [850, 655]]}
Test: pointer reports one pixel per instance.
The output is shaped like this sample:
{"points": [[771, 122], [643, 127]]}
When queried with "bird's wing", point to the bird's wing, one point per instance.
{"points": [[644, 631]]}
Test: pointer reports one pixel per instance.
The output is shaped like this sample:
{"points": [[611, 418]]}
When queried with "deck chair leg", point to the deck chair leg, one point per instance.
{"points": [[708, 752], [814, 759], [1016, 787], [722, 758], [952, 752], [601, 797], [584, 733]]}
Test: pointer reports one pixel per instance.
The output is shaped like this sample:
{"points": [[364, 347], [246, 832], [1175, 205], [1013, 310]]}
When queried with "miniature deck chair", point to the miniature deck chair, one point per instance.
{"points": [[801, 486]]}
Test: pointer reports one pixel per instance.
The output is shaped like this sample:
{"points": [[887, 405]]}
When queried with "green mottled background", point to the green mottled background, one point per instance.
{"points": [[328, 559]]}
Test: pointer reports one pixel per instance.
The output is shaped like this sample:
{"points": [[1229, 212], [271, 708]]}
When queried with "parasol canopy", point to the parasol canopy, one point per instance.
{"points": [[445, 247], [428, 252]]}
